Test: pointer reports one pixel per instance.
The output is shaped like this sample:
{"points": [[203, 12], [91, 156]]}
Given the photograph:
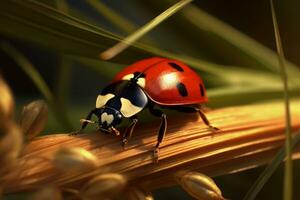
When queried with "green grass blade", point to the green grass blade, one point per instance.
{"points": [[37, 79], [288, 170], [238, 40], [35, 18], [234, 95], [63, 80], [270, 169], [42, 25], [63, 75], [62, 5], [124, 25], [107, 68], [29, 69], [112, 52], [36, 22], [289, 142]]}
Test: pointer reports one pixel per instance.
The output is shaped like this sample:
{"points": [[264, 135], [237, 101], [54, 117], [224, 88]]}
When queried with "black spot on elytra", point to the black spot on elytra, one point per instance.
{"points": [[201, 89], [182, 89], [176, 66]]}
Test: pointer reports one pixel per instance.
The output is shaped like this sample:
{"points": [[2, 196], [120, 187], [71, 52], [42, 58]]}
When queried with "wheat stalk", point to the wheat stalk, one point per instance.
{"points": [[250, 135]]}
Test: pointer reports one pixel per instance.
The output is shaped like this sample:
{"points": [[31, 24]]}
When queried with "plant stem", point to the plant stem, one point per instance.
{"points": [[288, 173], [249, 136]]}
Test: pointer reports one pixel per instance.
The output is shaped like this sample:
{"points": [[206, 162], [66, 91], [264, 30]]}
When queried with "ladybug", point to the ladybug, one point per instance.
{"points": [[153, 83]]}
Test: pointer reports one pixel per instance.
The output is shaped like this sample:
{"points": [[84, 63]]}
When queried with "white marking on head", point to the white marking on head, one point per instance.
{"points": [[141, 82], [108, 118], [128, 77], [103, 99], [128, 109]]}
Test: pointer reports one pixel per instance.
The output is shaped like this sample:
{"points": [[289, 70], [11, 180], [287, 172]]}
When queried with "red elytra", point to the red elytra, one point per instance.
{"points": [[168, 83], [162, 77]]}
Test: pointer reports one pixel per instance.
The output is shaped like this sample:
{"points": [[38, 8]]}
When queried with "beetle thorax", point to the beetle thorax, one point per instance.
{"points": [[126, 97]]}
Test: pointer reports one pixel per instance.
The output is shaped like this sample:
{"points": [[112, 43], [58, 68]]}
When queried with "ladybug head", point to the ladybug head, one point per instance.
{"points": [[108, 119]]}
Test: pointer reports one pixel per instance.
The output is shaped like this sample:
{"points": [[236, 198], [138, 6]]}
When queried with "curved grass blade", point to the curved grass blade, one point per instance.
{"points": [[63, 84], [234, 95], [64, 72], [39, 23], [270, 169], [288, 170], [125, 25], [62, 5], [29, 69], [242, 42], [107, 69], [42, 24], [289, 143], [121, 46], [37, 79]]}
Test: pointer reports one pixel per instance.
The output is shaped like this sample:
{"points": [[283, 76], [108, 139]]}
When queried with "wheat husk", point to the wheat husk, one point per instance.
{"points": [[33, 118], [74, 159], [6, 100], [199, 186], [103, 186]]}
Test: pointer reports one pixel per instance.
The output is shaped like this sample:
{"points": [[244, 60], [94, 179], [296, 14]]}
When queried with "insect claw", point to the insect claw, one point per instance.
{"points": [[75, 133], [87, 121], [155, 155], [115, 131], [124, 143], [214, 129]]}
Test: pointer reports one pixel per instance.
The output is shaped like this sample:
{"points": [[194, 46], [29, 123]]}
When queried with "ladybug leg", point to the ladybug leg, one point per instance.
{"points": [[128, 132], [162, 129], [88, 118], [85, 122], [205, 120], [189, 109]]}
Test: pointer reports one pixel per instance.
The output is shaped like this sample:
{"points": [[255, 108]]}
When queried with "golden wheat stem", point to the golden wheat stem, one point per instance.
{"points": [[250, 135]]}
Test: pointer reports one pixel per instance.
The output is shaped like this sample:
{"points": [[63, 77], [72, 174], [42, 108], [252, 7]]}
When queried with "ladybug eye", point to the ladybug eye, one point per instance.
{"points": [[103, 99]]}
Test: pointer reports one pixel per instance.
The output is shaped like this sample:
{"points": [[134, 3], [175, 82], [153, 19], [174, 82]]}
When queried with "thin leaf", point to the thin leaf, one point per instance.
{"points": [[29, 69], [80, 38], [37, 79], [63, 83], [270, 169], [36, 22], [62, 5], [235, 95], [288, 170], [112, 52], [107, 69], [242, 42], [289, 142], [64, 74], [125, 25]]}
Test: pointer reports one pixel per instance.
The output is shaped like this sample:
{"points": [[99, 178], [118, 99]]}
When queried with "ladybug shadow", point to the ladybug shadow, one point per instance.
{"points": [[145, 135]]}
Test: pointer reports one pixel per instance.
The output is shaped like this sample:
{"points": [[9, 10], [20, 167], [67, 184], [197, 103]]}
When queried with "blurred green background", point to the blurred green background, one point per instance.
{"points": [[228, 42]]}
